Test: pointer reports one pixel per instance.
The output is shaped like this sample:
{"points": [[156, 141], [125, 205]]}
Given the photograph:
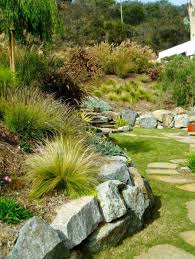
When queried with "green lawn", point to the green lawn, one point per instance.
{"points": [[170, 217]]}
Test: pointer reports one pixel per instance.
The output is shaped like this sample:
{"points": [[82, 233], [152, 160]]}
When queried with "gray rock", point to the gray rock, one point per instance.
{"points": [[158, 114], [121, 159], [130, 116], [111, 115], [38, 240], [1, 256], [160, 127], [147, 121], [124, 128], [167, 120], [181, 121], [110, 201], [100, 119], [77, 219], [107, 235], [184, 170], [179, 111], [135, 201], [115, 170]]}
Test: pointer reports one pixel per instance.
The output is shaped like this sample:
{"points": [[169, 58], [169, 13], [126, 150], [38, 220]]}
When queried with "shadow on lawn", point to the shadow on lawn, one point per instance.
{"points": [[153, 214], [136, 146]]}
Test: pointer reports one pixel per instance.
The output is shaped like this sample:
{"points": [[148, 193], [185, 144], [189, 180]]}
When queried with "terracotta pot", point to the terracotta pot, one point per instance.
{"points": [[191, 128]]}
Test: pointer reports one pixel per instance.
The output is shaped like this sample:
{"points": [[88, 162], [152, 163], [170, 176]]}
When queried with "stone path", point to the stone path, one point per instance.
{"points": [[163, 165], [172, 179], [189, 237], [191, 210], [162, 171], [187, 187], [165, 252]]}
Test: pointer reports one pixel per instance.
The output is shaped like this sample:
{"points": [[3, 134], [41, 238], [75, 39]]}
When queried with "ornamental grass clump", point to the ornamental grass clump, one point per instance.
{"points": [[33, 115], [63, 165], [191, 162]]}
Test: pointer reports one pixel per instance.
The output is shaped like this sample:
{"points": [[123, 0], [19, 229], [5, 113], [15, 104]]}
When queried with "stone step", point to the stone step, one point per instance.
{"points": [[165, 252], [162, 171], [163, 165], [187, 187], [179, 161], [188, 237], [191, 210], [172, 179]]}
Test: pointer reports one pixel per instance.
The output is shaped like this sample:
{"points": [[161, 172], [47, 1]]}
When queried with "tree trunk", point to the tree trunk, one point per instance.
{"points": [[12, 51]]}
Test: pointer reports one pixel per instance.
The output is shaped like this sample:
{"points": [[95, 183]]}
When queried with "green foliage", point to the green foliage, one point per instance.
{"points": [[63, 165], [33, 115], [191, 162], [105, 146], [120, 122], [6, 79], [178, 79], [123, 59], [131, 91], [11, 212], [37, 17], [93, 102]]}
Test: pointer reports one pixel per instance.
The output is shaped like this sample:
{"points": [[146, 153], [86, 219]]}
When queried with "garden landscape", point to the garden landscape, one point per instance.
{"points": [[97, 131]]}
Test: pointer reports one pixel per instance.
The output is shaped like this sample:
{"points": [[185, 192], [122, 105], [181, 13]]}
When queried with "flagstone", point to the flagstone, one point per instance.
{"points": [[189, 237], [187, 187], [191, 210], [162, 171], [165, 252], [172, 179], [179, 161], [163, 165]]}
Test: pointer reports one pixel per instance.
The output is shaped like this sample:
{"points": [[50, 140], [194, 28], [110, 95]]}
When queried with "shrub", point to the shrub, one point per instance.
{"points": [[105, 146], [120, 122], [177, 80], [95, 103], [6, 79], [123, 59], [191, 162], [33, 115], [63, 165], [11, 212]]}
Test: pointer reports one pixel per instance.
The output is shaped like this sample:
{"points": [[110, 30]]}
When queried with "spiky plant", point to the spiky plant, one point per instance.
{"points": [[62, 165]]}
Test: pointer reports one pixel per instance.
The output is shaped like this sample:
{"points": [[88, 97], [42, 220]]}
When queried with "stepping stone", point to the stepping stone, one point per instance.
{"points": [[172, 179], [189, 237], [165, 252], [187, 187], [162, 171], [163, 165], [179, 161], [191, 210]]}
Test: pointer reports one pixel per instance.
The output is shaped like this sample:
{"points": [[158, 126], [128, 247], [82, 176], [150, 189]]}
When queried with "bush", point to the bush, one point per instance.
{"points": [[95, 103], [32, 115], [11, 212], [123, 59], [6, 79], [191, 162], [120, 122], [63, 165], [106, 147], [130, 92], [178, 79]]}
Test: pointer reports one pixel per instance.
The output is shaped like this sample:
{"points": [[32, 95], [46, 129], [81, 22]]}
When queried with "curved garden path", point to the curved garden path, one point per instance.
{"points": [[171, 233]]}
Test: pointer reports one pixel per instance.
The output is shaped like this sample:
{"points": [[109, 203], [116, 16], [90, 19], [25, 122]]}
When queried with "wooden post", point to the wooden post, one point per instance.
{"points": [[121, 7], [12, 51]]}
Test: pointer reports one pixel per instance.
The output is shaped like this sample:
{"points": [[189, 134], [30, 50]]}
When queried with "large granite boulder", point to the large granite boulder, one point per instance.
{"points": [[111, 203], [137, 206], [121, 159], [179, 111], [181, 121], [147, 121], [130, 116], [168, 120], [77, 219], [107, 235], [38, 240], [158, 114], [115, 170], [143, 185]]}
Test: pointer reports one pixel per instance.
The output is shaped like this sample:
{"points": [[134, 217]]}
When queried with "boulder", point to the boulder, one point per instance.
{"points": [[158, 114], [77, 219], [121, 159], [107, 235], [147, 121], [181, 121], [111, 115], [115, 170], [130, 116], [1, 256], [38, 240], [167, 120], [143, 185], [191, 116], [124, 128], [179, 111], [111, 203]]}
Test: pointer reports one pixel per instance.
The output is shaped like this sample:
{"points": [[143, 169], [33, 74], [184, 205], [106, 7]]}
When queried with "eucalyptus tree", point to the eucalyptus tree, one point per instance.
{"points": [[39, 17]]}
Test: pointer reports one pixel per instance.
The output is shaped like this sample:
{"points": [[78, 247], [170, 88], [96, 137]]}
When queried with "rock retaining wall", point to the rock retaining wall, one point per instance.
{"points": [[90, 223]]}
